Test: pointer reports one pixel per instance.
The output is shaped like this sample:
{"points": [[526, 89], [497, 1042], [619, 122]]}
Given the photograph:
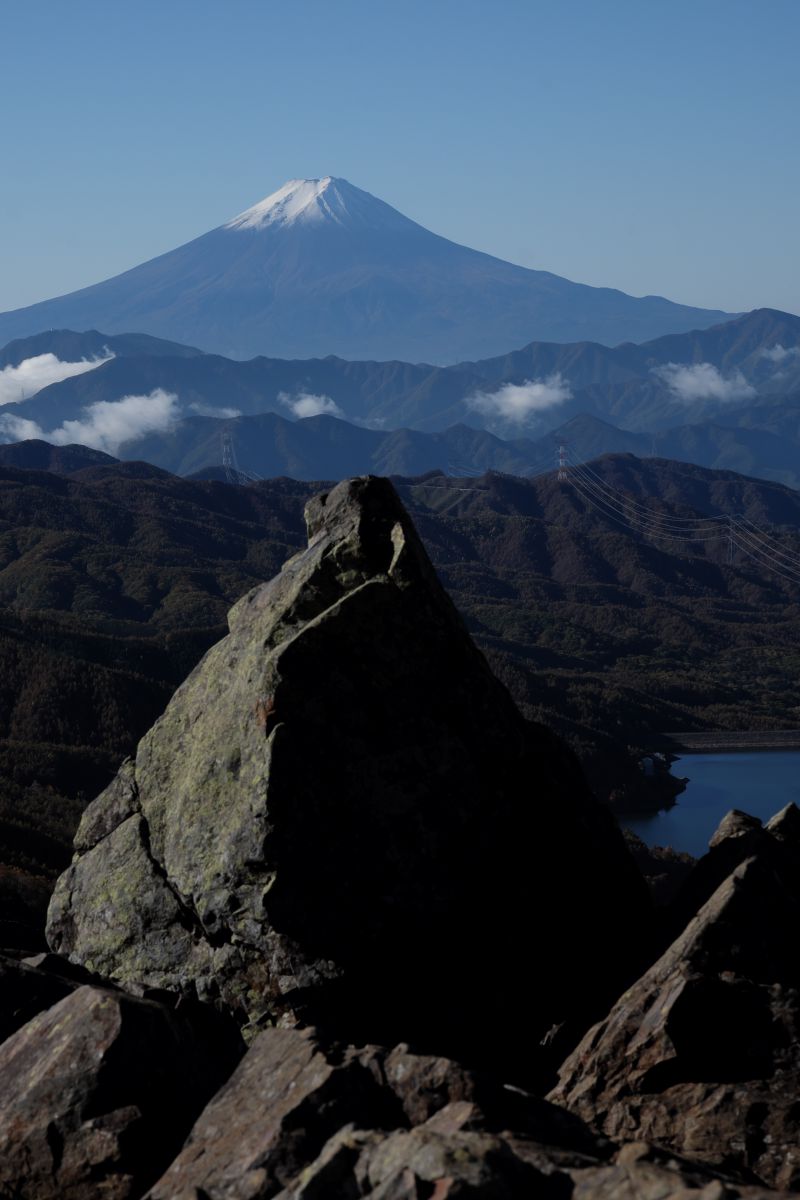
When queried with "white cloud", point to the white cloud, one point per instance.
{"points": [[212, 410], [23, 381], [306, 404], [104, 425], [779, 353], [18, 429], [516, 402], [703, 381]]}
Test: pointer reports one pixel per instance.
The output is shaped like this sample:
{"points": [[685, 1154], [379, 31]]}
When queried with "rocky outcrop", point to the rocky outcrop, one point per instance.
{"points": [[301, 1120], [702, 1054], [340, 831], [342, 816], [100, 1090]]}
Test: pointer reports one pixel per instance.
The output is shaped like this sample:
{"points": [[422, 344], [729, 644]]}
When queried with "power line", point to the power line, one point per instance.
{"points": [[741, 533], [647, 524], [759, 534], [643, 508]]}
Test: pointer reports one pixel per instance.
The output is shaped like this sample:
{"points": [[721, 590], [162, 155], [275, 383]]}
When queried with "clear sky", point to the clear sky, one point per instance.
{"points": [[650, 145]]}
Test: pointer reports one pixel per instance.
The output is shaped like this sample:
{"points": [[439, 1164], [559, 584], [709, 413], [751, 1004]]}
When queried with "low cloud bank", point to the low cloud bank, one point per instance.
{"points": [[21, 382], [703, 381], [199, 409], [779, 353], [105, 425], [516, 402], [306, 404]]}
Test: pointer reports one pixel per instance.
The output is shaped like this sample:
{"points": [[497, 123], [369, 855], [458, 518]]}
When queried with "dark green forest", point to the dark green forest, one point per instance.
{"points": [[114, 581]]}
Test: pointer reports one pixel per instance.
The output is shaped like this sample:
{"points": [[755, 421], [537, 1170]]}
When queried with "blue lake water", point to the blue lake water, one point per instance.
{"points": [[760, 784]]}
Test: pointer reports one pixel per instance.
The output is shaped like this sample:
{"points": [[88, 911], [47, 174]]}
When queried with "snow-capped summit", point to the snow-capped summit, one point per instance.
{"points": [[316, 201]]}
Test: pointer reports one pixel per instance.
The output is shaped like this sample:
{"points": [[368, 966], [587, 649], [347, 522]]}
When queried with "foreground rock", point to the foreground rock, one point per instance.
{"points": [[301, 1120], [343, 816], [702, 1054], [26, 990], [99, 1091]]}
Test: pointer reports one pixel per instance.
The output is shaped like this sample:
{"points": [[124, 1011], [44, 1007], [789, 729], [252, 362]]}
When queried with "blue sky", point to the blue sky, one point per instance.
{"points": [[649, 145]]}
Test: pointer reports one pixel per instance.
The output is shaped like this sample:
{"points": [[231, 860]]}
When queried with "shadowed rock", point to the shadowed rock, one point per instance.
{"points": [[302, 1120], [342, 815], [99, 1092], [26, 990], [322, 1120], [702, 1054]]}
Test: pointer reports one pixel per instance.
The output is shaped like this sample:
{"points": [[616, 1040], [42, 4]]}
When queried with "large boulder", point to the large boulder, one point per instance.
{"points": [[342, 815], [99, 1092], [702, 1054]]}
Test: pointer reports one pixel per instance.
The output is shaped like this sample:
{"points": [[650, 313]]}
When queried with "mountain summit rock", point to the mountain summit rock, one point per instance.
{"points": [[343, 817], [322, 267]]}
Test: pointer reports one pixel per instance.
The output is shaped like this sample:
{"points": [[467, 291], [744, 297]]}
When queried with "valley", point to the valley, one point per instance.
{"points": [[116, 577]]}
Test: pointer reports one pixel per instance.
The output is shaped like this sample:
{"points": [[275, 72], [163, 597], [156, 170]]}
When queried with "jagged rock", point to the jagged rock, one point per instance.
{"points": [[435, 1162], [341, 813], [99, 1092], [274, 1115], [738, 836], [664, 869], [632, 1179], [785, 825], [302, 1120], [299, 1116], [702, 1054], [734, 824]]}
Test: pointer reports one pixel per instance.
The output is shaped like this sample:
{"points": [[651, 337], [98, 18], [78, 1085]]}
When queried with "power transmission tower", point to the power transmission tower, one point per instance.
{"points": [[562, 462], [229, 463]]}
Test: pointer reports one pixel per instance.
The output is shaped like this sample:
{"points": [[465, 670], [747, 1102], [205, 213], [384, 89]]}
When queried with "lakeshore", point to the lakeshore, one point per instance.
{"points": [[760, 782], [734, 741]]}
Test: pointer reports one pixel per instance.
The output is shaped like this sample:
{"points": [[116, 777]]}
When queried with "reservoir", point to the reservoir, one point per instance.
{"points": [[760, 783]]}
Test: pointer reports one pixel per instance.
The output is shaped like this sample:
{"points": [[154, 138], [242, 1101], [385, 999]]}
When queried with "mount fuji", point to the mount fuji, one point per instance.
{"points": [[321, 267]]}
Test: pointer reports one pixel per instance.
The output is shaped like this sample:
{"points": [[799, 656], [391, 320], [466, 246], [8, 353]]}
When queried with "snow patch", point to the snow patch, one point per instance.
{"points": [[297, 200], [314, 203]]}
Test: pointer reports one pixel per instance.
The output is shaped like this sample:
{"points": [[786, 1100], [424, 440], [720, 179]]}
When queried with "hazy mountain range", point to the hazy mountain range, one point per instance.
{"points": [[321, 267], [728, 397]]}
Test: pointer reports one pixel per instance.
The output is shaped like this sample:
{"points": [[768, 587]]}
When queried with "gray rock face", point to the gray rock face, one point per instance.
{"points": [[702, 1054], [342, 813], [99, 1092]]}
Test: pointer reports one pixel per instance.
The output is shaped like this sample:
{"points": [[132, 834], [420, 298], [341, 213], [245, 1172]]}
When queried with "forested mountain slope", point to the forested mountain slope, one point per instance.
{"points": [[114, 580]]}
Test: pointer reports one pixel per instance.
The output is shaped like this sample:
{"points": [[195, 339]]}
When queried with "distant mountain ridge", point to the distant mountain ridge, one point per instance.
{"points": [[404, 418], [322, 267], [621, 384]]}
